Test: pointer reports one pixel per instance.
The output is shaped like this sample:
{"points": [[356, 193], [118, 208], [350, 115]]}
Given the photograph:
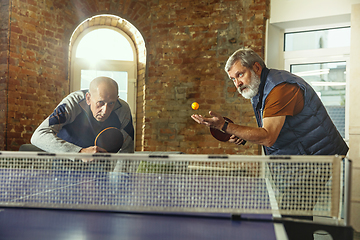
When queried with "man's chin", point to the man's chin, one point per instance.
{"points": [[248, 94], [100, 119]]}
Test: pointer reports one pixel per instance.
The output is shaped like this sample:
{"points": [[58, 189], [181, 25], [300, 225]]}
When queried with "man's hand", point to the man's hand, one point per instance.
{"points": [[266, 135], [91, 150], [216, 121], [236, 140]]}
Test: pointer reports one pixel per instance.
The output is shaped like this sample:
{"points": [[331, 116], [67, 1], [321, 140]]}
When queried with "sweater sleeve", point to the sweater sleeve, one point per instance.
{"points": [[45, 136]]}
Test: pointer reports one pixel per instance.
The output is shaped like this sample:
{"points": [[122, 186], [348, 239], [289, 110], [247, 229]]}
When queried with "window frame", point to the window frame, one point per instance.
{"points": [[294, 31], [341, 54]]}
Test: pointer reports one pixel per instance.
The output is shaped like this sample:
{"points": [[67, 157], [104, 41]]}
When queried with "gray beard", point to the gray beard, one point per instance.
{"points": [[252, 88]]}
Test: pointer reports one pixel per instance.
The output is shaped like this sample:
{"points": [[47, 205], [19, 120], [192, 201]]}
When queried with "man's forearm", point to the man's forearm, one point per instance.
{"points": [[255, 135], [266, 135], [46, 139]]}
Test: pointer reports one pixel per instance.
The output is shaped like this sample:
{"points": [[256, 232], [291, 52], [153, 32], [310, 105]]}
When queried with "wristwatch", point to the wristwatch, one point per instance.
{"points": [[223, 129]]}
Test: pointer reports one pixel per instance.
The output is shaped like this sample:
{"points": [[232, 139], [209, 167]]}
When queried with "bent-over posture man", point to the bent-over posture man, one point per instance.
{"points": [[291, 121], [81, 116], [291, 118]]}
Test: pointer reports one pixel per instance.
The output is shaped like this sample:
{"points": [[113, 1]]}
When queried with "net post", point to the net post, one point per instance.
{"points": [[336, 186], [347, 190]]}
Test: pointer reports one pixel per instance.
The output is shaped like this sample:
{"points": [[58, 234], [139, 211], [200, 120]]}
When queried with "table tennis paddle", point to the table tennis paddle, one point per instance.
{"points": [[111, 139], [222, 136]]}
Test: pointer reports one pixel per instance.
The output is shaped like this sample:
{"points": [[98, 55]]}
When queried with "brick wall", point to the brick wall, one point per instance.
{"points": [[37, 78], [187, 44], [190, 42], [4, 47]]}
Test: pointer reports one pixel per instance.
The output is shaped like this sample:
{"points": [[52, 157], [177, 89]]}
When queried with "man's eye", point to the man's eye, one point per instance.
{"points": [[100, 104]]}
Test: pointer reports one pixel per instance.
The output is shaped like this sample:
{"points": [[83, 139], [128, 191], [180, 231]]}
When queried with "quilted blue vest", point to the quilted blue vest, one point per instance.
{"points": [[311, 132]]}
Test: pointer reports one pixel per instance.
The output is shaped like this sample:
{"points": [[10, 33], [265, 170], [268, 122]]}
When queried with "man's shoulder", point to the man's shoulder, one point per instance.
{"points": [[78, 94], [122, 110], [72, 103], [278, 76], [75, 97], [121, 105]]}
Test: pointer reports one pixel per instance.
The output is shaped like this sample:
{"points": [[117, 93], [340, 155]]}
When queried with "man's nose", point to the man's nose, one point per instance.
{"points": [[105, 108], [238, 83]]}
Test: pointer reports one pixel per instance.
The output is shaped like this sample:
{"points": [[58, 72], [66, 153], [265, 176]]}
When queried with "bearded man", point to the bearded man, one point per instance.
{"points": [[291, 118]]}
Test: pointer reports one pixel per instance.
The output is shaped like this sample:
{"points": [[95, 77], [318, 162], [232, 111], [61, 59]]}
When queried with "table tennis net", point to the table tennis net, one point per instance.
{"points": [[296, 185]]}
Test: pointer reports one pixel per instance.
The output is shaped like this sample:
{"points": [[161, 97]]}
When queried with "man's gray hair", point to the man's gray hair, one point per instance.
{"points": [[246, 56]]}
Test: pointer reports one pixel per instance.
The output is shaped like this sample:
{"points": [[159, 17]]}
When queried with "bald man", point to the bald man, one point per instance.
{"points": [[79, 117]]}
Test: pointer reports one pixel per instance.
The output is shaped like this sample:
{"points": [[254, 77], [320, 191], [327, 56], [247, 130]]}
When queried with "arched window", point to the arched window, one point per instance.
{"points": [[105, 51], [108, 45]]}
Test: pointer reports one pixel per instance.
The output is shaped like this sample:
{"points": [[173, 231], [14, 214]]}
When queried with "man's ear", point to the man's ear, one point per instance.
{"points": [[88, 98], [257, 68]]}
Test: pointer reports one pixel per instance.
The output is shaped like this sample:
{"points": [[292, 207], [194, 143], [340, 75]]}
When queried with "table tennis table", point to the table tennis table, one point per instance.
{"points": [[58, 196]]}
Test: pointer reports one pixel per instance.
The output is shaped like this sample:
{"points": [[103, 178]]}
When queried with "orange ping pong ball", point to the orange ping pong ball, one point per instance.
{"points": [[195, 105]]}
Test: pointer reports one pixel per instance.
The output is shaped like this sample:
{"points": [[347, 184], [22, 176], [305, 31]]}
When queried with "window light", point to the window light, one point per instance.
{"points": [[104, 44]]}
